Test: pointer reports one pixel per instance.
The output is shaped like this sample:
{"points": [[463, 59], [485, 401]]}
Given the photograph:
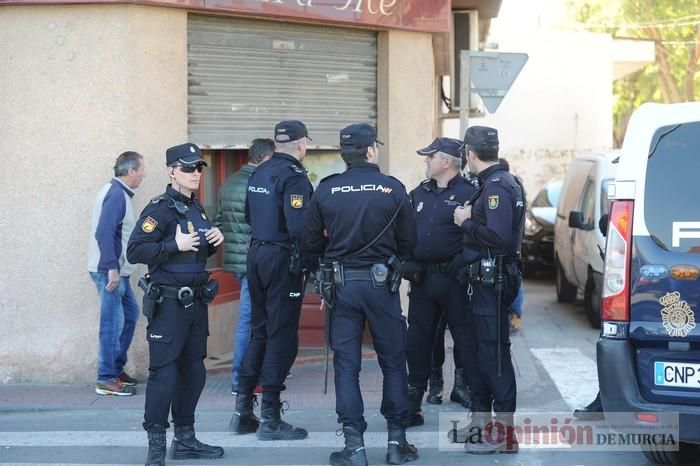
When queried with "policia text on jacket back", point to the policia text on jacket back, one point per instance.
{"points": [[174, 237], [276, 205], [362, 223], [493, 226]]}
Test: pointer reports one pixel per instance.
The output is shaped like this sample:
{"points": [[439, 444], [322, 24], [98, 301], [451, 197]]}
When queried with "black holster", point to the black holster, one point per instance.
{"points": [[326, 284], [209, 291], [394, 277], [151, 297], [295, 262]]}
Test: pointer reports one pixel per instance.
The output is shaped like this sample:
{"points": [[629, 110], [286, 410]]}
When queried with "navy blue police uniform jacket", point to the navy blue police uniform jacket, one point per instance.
{"points": [[498, 214], [439, 239], [152, 241], [349, 210], [278, 197]]}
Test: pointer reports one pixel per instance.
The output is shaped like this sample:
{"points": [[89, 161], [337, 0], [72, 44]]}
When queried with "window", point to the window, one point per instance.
{"points": [[588, 202]]}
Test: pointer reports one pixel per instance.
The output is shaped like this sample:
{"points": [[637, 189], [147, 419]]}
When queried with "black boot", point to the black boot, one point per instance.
{"points": [[435, 386], [592, 412], [497, 437], [354, 452], [186, 446], [460, 392], [156, 446], [399, 451], [244, 421], [273, 427], [415, 400]]}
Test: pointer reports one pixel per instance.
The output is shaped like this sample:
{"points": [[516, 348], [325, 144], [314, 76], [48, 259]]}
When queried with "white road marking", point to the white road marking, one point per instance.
{"points": [[574, 374]]}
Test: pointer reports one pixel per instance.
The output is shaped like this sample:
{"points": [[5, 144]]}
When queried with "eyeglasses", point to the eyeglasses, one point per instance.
{"points": [[191, 168]]}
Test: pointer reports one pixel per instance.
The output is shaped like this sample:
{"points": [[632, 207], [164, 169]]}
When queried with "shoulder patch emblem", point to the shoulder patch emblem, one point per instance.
{"points": [[420, 206], [296, 201], [149, 224], [493, 201], [677, 316]]}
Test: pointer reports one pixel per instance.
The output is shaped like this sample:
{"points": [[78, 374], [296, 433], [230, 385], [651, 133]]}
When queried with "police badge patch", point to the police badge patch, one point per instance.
{"points": [[296, 201], [493, 201], [149, 224], [677, 316], [190, 226]]}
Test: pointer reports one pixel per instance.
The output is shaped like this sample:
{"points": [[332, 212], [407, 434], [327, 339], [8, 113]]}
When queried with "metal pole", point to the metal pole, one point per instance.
{"points": [[464, 92]]}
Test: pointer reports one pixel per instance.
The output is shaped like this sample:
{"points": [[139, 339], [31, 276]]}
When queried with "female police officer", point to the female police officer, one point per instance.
{"points": [[174, 237]]}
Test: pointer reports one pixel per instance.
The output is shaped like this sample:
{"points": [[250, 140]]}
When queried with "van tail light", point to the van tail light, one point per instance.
{"points": [[618, 252]]}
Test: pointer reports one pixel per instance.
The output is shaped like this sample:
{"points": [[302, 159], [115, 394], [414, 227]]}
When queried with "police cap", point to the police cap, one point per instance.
{"points": [[481, 138], [184, 154], [447, 146], [290, 130], [358, 135]]}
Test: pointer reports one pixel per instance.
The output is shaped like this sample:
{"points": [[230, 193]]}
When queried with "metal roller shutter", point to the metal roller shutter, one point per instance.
{"points": [[246, 75]]}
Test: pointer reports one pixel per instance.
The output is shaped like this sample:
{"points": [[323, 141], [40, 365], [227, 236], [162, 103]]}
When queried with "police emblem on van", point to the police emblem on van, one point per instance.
{"points": [[296, 201], [677, 316], [493, 201]]}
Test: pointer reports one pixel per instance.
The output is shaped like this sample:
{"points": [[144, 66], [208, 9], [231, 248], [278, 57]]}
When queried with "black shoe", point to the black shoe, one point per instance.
{"points": [[156, 446], [274, 428], [460, 392], [354, 453], [435, 386], [399, 451], [592, 412], [243, 420], [415, 400], [186, 446]]}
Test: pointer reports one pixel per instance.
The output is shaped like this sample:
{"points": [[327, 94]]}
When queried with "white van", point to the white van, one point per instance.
{"points": [[649, 350], [578, 243]]}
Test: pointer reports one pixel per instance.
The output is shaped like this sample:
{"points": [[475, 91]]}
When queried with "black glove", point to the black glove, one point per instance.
{"points": [[412, 271]]}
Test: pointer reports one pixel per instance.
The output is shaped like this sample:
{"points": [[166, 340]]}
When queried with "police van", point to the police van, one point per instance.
{"points": [[649, 350]]}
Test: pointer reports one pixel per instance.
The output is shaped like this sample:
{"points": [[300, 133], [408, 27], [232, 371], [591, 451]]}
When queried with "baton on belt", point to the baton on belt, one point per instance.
{"points": [[499, 303]]}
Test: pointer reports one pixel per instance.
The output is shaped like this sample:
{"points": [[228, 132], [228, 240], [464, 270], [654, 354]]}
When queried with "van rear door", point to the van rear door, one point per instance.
{"points": [[665, 269]]}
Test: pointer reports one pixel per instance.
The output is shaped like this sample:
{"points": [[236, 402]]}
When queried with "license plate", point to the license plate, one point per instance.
{"points": [[676, 374]]}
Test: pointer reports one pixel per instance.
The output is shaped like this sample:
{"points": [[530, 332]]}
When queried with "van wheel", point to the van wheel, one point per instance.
{"points": [[566, 292], [592, 297], [687, 453]]}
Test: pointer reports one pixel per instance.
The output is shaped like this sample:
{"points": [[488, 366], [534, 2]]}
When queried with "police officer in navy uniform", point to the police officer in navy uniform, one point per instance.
{"points": [[278, 197], [360, 221], [435, 292], [174, 238], [493, 225]]}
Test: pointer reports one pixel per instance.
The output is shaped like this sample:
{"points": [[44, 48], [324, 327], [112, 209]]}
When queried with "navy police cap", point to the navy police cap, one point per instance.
{"points": [[447, 146], [481, 138], [358, 135], [184, 154], [290, 130]]}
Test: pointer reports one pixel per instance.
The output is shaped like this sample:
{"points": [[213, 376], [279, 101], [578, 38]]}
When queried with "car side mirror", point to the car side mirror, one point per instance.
{"points": [[576, 221], [603, 224]]}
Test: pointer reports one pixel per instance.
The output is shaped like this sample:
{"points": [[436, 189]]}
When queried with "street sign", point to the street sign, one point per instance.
{"points": [[492, 74]]}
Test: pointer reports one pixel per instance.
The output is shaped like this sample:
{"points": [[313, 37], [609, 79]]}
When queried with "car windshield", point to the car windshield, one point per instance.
{"points": [[671, 208], [549, 195]]}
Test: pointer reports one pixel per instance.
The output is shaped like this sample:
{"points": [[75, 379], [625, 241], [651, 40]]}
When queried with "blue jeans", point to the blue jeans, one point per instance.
{"points": [[242, 335], [517, 306], [119, 312]]}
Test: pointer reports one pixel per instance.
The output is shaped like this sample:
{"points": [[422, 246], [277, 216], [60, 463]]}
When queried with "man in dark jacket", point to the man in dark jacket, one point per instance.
{"points": [[230, 216]]}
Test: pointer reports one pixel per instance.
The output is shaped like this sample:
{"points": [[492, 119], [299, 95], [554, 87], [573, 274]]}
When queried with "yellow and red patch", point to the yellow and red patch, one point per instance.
{"points": [[296, 201], [149, 224]]}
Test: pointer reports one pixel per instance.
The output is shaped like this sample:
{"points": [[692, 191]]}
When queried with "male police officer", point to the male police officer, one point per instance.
{"points": [[361, 220], [174, 238], [435, 292], [278, 197], [493, 225]]}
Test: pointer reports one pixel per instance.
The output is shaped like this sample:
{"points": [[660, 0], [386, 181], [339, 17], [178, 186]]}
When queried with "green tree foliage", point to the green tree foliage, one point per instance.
{"points": [[673, 25]]}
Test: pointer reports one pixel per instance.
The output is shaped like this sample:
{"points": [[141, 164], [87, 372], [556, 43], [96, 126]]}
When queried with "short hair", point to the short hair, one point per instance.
{"points": [[259, 149], [353, 155], [455, 162], [127, 160], [291, 147], [503, 161], [486, 155]]}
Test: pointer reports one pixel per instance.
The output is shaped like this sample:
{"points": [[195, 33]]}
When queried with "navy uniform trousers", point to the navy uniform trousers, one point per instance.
{"points": [[358, 301], [177, 345], [490, 390], [276, 297], [438, 297]]}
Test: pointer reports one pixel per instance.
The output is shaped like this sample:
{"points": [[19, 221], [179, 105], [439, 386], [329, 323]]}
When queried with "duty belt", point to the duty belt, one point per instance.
{"points": [[357, 274], [175, 292], [281, 244], [436, 268]]}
